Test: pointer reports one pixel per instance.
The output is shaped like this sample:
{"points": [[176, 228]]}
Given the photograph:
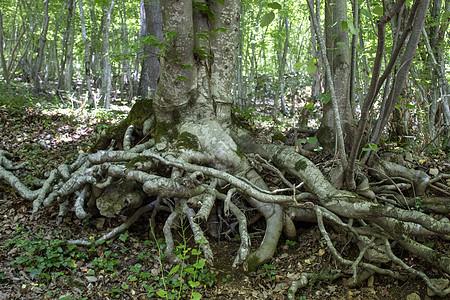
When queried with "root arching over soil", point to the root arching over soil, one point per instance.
{"points": [[199, 168]]}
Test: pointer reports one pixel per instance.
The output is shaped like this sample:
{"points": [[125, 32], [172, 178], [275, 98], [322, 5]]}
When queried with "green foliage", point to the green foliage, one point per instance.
{"points": [[267, 19], [44, 259], [291, 243], [183, 278], [419, 204], [370, 147], [203, 7], [311, 66], [268, 271], [321, 276]]}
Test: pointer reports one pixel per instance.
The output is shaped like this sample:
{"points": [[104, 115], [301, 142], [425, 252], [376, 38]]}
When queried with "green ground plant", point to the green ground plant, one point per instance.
{"points": [[44, 259], [182, 280]]}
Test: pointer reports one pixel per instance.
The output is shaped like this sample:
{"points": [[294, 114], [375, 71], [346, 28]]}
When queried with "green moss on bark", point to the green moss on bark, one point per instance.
{"points": [[139, 113], [187, 140], [164, 130], [300, 165]]}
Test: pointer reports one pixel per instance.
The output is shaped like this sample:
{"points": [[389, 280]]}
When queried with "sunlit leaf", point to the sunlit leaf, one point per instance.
{"points": [[366, 13], [378, 10], [352, 29], [200, 264], [102, 2], [174, 269], [344, 25], [371, 147], [297, 66], [194, 283], [196, 296], [274, 5], [267, 19], [311, 66], [162, 293]]}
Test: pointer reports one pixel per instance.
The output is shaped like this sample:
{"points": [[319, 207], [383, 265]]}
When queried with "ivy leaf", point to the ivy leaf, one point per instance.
{"points": [[220, 2], [123, 237], [200, 264], [344, 25], [162, 293], [324, 98], [297, 66], [311, 66], [196, 296], [194, 283], [196, 252], [274, 5], [267, 19], [312, 140]]}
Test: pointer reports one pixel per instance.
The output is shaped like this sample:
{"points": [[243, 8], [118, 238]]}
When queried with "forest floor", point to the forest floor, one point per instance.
{"points": [[36, 264]]}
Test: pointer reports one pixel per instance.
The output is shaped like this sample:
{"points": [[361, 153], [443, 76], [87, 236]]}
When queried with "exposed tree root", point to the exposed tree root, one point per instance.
{"points": [[215, 173]]}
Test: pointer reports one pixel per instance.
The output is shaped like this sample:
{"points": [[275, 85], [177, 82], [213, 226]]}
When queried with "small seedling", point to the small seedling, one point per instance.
{"points": [[291, 243], [268, 271]]}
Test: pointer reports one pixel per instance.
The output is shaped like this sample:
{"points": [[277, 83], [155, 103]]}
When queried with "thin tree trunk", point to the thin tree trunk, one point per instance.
{"points": [[330, 85], [106, 68], [281, 67], [403, 71], [151, 25], [354, 64], [87, 58], [69, 59], [65, 48], [126, 77], [2, 53], [40, 57]]}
